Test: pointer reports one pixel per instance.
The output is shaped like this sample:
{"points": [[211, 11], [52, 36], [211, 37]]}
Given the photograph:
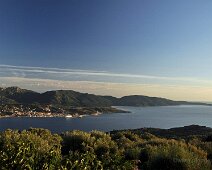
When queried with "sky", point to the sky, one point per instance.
{"points": [[108, 47]]}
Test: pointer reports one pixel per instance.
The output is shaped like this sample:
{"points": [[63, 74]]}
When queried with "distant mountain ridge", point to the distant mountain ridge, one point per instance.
{"points": [[16, 95]]}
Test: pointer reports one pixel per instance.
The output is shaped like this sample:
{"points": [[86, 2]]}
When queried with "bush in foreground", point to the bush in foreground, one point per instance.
{"points": [[32, 149], [39, 149]]}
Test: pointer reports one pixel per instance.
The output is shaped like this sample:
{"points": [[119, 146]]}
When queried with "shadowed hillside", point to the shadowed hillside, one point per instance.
{"points": [[15, 95]]}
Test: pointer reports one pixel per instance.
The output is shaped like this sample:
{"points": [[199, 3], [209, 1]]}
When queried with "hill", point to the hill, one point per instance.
{"points": [[186, 132], [16, 95]]}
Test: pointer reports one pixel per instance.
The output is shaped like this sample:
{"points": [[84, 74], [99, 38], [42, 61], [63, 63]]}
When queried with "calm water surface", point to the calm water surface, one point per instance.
{"points": [[159, 117]]}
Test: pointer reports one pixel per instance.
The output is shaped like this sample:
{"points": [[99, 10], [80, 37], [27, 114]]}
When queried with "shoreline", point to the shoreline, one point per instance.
{"points": [[69, 113]]}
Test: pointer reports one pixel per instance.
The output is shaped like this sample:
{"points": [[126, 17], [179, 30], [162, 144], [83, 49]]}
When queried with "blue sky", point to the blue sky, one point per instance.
{"points": [[153, 45]]}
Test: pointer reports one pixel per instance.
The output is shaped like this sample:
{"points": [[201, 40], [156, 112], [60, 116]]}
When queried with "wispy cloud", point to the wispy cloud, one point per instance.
{"points": [[105, 83], [91, 75]]}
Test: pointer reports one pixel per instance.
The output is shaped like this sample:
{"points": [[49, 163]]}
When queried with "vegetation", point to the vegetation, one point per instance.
{"points": [[40, 149]]}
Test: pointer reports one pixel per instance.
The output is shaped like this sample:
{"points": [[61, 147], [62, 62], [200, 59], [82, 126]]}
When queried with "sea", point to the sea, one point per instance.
{"points": [[156, 117]]}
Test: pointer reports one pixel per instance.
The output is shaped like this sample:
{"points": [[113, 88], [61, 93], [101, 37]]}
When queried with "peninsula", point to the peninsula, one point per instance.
{"points": [[17, 102]]}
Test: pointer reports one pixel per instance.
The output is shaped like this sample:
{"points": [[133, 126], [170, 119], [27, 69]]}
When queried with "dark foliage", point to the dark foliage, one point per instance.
{"points": [[35, 149]]}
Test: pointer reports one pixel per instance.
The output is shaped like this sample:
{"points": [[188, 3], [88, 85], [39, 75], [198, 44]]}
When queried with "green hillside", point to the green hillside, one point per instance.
{"points": [[15, 95]]}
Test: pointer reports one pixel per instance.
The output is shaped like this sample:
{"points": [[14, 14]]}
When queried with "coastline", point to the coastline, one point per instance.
{"points": [[48, 112]]}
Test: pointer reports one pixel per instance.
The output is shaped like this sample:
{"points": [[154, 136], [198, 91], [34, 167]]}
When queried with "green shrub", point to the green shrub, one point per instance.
{"points": [[79, 161], [33, 149], [38, 149], [175, 155], [132, 154]]}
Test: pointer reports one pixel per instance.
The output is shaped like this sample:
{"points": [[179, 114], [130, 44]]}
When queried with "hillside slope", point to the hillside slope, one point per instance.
{"points": [[16, 95]]}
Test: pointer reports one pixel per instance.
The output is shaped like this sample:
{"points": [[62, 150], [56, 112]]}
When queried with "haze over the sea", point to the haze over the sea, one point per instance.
{"points": [[113, 47]]}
